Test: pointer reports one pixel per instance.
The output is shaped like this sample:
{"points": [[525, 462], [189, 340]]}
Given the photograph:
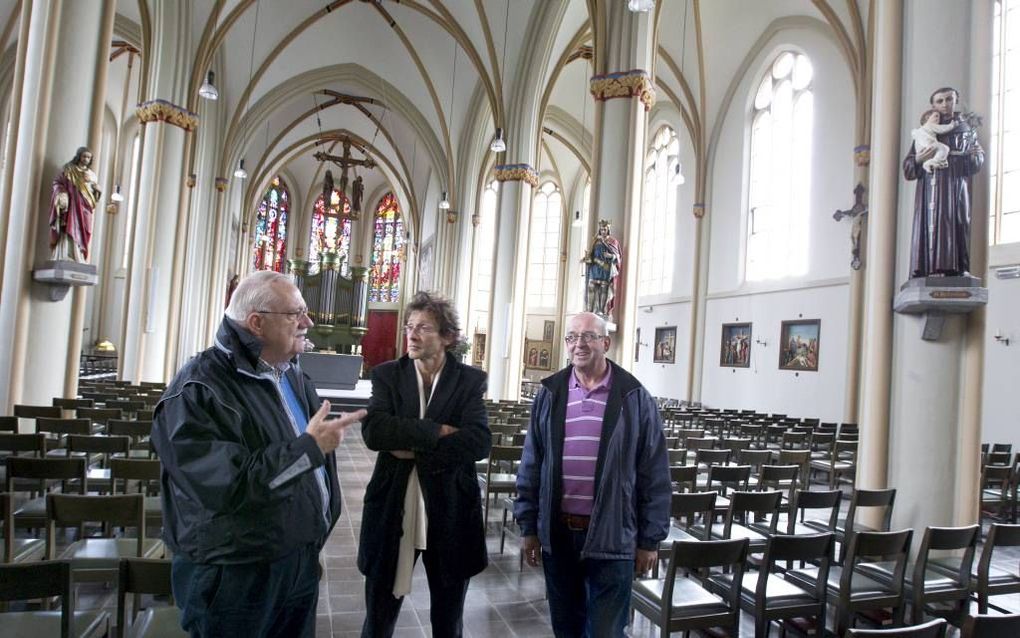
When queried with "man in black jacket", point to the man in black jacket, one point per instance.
{"points": [[428, 423], [250, 489]]}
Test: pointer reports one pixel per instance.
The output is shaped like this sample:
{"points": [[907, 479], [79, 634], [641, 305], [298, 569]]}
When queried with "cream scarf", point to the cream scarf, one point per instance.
{"points": [[415, 522]]}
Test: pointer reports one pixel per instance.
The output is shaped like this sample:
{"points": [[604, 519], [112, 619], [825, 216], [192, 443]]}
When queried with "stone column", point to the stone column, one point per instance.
{"points": [[933, 432], [623, 91], [62, 60], [885, 178], [510, 266], [148, 312]]}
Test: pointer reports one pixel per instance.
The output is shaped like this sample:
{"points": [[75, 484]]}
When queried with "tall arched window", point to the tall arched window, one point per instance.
{"points": [[780, 171], [1004, 150], [485, 247], [544, 248], [387, 251], [269, 251], [331, 231], [658, 215]]}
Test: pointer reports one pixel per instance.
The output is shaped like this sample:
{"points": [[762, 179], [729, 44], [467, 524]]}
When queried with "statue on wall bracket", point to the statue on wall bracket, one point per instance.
{"points": [[943, 157], [73, 198], [603, 263]]}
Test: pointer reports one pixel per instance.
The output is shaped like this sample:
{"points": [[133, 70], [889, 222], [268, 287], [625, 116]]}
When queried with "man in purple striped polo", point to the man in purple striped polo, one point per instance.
{"points": [[593, 490]]}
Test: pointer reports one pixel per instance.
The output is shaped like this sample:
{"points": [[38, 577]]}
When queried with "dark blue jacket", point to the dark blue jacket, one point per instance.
{"points": [[238, 482], [632, 488]]}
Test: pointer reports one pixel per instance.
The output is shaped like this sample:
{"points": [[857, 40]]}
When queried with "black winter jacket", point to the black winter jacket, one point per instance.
{"points": [[445, 466], [238, 483]]}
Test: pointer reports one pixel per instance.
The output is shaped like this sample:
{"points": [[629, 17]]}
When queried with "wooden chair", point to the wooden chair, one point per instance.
{"points": [[17, 550], [842, 462], [146, 576], [73, 404], [101, 415], [9, 424], [70, 473], [36, 411], [686, 510], [726, 478], [138, 430], [942, 578], [982, 626], [745, 508], [995, 495], [146, 475], [932, 629], [993, 581], [853, 589], [769, 597], [99, 449], [805, 501], [682, 602], [861, 499], [92, 558], [28, 581], [684, 478], [496, 481], [32, 445]]}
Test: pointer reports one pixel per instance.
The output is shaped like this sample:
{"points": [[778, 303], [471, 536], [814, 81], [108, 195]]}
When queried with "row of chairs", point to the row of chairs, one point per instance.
{"points": [[48, 579], [705, 583]]}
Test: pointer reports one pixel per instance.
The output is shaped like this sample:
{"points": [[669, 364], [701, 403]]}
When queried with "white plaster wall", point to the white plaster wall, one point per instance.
{"points": [[1001, 401], [662, 379], [763, 386]]}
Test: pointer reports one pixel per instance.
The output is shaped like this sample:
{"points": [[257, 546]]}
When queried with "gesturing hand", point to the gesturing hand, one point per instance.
{"points": [[329, 432]]}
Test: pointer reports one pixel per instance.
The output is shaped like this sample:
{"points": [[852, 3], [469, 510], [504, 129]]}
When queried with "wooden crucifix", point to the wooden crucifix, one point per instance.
{"points": [[857, 213], [346, 162]]}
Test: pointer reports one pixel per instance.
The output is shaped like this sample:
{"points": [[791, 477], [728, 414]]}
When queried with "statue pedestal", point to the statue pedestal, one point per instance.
{"points": [[61, 274], [935, 297]]}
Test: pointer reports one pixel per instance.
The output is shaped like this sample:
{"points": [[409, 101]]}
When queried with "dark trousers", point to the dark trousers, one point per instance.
{"points": [[252, 600], [588, 598], [446, 610]]}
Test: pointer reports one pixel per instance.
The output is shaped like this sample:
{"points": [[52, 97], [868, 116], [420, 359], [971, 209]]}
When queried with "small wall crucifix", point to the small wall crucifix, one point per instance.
{"points": [[857, 213]]}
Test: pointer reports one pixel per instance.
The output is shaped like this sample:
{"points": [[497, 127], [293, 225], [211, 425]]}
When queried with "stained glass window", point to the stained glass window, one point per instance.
{"points": [[269, 251], [780, 176], [331, 231], [387, 251]]}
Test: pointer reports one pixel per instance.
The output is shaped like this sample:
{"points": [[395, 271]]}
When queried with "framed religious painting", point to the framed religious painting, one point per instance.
{"points": [[798, 345], [478, 350], [548, 331], [664, 348], [735, 349]]}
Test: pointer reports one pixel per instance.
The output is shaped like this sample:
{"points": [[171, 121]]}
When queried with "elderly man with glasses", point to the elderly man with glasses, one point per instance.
{"points": [[250, 490], [593, 490], [427, 420]]}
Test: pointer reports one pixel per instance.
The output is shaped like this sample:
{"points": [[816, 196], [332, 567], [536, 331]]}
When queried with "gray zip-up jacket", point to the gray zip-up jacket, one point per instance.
{"points": [[632, 486]]}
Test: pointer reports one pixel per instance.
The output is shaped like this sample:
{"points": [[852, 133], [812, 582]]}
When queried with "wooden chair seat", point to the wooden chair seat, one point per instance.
{"points": [[91, 554], [862, 588], [25, 549], [162, 622], [31, 513], [778, 592], [35, 624], [689, 598]]}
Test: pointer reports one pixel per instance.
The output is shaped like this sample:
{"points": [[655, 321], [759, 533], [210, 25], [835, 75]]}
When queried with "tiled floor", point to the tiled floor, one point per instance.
{"points": [[504, 601]]}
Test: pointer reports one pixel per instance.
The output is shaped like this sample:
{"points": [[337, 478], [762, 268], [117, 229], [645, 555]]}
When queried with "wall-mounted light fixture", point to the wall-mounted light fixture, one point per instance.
{"points": [[1001, 338]]}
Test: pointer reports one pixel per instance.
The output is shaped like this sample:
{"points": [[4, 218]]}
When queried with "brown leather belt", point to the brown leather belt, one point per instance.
{"points": [[575, 522]]}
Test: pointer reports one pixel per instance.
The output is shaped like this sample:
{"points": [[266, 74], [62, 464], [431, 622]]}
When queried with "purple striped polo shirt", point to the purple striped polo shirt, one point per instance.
{"points": [[581, 435]]}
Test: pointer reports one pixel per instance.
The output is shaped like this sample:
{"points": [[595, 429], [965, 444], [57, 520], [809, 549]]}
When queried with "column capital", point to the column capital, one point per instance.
{"points": [[191, 180], [164, 111], [516, 173], [634, 83], [699, 209], [221, 184], [862, 155]]}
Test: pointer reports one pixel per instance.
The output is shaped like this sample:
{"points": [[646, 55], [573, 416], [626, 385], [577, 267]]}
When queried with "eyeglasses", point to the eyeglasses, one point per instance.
{"points": [[584, 337], [295, 315], [421, 328]]}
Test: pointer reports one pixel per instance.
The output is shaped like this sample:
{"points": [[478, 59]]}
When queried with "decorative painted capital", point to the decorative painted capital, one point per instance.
{"points": [[476, 219], [634, 83], [221, 184], [862, 155], [191, 180], [516, 173], [163, 111], [699, 210]]}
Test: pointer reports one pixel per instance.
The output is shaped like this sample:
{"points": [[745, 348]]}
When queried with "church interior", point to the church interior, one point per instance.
{"points": [[723, 180]]}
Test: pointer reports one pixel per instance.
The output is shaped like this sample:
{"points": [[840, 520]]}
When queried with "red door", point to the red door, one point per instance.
{"points": [[377, 345]]}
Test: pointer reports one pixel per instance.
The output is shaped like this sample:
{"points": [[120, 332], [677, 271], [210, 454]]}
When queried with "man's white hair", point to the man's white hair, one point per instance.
{"points": [[255, 293], [600, 322]]}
